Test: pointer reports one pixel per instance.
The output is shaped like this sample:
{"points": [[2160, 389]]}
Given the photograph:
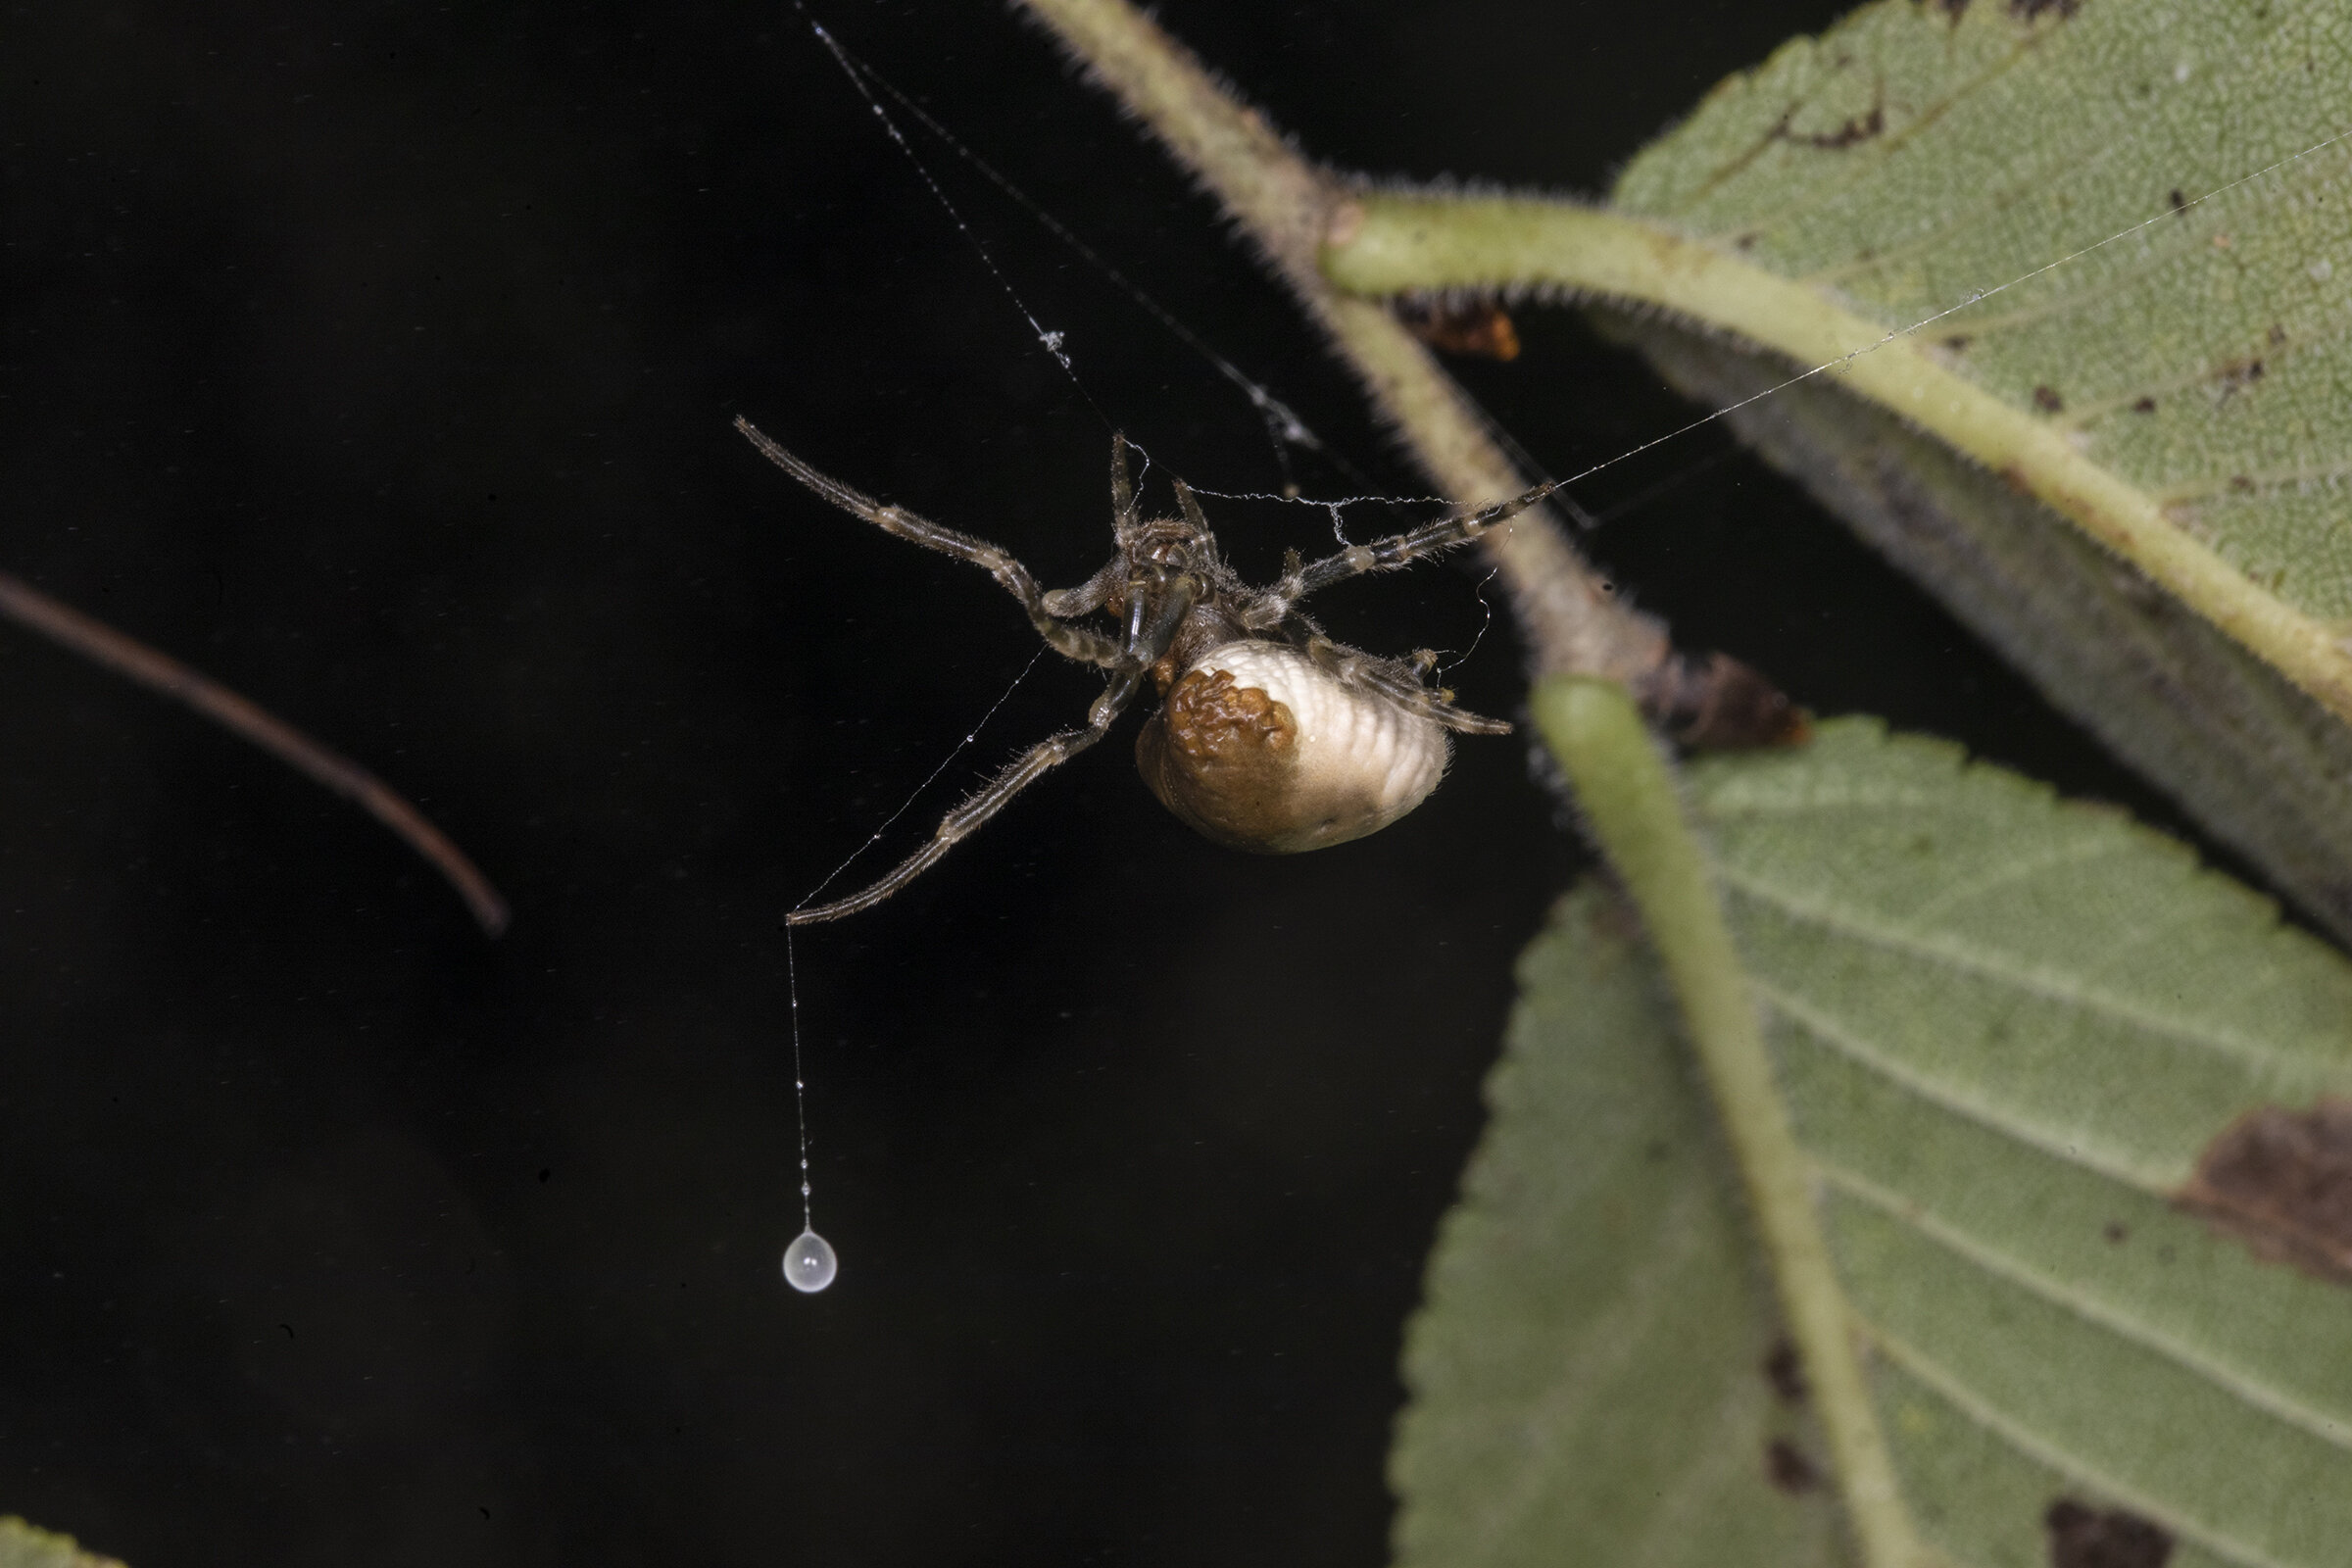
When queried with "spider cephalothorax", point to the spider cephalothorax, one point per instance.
{"points": [[1270, 736]]}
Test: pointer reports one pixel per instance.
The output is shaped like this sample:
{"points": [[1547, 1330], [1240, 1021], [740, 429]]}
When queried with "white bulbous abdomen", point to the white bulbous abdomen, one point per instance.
{"points": [[1259, 750]]}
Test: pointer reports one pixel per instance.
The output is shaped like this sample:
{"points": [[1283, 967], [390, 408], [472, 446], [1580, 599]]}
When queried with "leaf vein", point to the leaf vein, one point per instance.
{"points": [[1983, 1114], [2048, 1452], [2236, 1382], [2033, 980]]}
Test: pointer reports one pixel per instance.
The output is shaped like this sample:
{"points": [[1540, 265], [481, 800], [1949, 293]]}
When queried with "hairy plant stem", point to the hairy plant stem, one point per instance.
{"points": [[1289, 210], [1629, 800]]}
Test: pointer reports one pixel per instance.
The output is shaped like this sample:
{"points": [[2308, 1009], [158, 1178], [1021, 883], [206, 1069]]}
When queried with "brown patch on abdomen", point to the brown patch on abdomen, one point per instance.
{"points": [[2280, 1180], [1222, 758]]}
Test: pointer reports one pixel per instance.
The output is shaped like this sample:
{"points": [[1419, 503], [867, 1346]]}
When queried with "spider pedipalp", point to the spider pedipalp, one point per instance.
{"points": [[1271, 737]]}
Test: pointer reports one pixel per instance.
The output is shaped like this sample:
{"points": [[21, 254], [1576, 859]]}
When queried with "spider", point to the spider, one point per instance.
{"points": [[1270, 736]]}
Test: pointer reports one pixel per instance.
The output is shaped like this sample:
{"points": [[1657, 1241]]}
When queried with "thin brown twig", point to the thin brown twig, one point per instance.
{"points": [[101, 644]]}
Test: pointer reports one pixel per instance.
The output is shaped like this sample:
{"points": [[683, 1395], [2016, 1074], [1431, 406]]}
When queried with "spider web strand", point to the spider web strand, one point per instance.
{"points": [[971, 736]]}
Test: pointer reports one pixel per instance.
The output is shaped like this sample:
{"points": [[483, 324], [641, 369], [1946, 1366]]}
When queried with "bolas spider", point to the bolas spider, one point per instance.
{"points": [[1270, 736]]}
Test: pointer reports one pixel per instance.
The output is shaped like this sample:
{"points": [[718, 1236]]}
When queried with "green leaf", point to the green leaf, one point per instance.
{"points": [[1588, 1376], [2171, 381], [2006, 1029], [2264, 767], [21, 1545]]}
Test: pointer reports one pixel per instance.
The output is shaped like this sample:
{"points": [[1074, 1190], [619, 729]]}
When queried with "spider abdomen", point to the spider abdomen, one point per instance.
{"points": [[1256, 748]]}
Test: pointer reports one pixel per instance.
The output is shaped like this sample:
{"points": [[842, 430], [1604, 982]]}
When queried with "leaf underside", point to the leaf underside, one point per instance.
{"points": [[2260, 764], [1908, 158], [2006, 1028], [1918, 153]]}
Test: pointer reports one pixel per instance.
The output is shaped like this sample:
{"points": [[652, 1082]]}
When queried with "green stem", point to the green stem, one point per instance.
{"points": [[1428, 242], [1631, 802]]}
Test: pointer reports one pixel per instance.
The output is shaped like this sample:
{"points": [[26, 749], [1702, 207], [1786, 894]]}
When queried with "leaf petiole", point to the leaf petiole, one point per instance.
{"points": [[1630, 802]]}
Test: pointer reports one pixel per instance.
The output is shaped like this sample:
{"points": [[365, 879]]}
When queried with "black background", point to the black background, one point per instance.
{"points": [[379, 359]]}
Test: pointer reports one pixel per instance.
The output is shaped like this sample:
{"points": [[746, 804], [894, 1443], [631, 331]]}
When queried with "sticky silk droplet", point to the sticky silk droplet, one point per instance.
{"points": [[808, 1263]]}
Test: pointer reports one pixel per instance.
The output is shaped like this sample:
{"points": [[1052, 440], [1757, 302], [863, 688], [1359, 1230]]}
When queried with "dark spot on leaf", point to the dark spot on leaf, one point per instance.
{"points": [[2179, 201], [2047, 400], [1788, 1469], [1785, 1372], [1745, 241], [2116, 1231], [2277, 334], [2144, 406], [2280, 1182], [2239, 373], [2242, 483], [1479, 328], [1954, 9], [1854, 129], [2035, 9], [1957, 342], [2084, 1537]]}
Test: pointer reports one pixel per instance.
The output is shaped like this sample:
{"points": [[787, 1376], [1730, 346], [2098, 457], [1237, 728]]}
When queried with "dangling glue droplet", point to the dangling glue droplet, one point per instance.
{"points": [[808, 1263]]}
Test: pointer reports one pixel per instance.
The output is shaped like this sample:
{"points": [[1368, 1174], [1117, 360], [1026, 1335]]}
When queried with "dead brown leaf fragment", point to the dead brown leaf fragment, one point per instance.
{"points": [[1479, 328], [2280, 1182]]}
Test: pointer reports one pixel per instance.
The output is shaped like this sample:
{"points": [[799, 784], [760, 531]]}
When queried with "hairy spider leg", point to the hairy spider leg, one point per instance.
{"points": [[1190, 506], [1149, 633], [1033, 764], [1072, 642], [1122, 489], [1125, 520], [1382, 555], [1397, 680]]}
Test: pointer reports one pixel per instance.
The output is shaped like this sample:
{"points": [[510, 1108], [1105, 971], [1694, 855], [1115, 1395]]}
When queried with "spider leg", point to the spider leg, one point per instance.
{"points": [[1032, 766], [1122, 489], [1072, 642], [1396, 681], [1382, 555], [1089, 595]]}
